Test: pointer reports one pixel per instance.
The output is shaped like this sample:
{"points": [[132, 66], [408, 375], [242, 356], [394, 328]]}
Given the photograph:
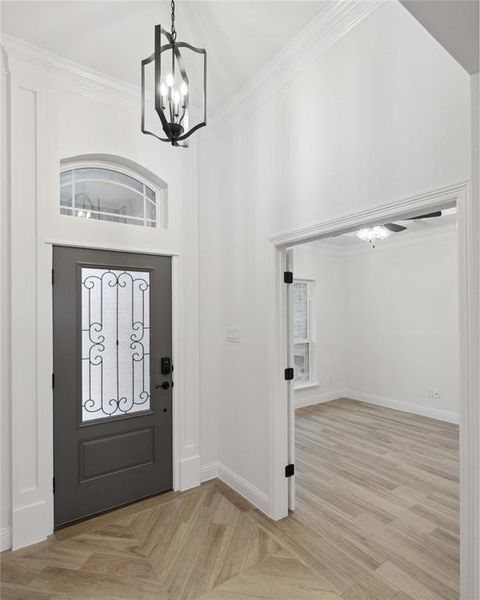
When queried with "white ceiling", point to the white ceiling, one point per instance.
{"points": [[114, 36], [416, 227], [454, 23]]}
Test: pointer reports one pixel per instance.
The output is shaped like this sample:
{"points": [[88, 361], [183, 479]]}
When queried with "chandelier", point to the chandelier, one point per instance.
{"points": [[172, 87]]}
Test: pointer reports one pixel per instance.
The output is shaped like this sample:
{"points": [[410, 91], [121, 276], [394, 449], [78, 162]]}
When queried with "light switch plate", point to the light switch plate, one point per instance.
{"points": [[233, 335]]}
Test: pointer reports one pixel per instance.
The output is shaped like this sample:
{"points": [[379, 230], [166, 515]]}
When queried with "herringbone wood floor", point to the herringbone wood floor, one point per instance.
{"points": [[377, 519]]}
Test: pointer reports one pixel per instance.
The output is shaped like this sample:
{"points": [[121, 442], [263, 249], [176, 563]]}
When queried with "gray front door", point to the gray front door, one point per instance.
{"points": [[112, 333]]}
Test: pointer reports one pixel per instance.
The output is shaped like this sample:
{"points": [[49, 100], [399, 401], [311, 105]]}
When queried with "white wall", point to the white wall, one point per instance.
{"points": [[402, 326], [381, 115], [398, 307], [60, 110]]}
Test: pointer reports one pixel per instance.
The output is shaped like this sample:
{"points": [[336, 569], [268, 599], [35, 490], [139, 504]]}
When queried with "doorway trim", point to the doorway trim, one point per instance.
{"points": [[468, 324]]}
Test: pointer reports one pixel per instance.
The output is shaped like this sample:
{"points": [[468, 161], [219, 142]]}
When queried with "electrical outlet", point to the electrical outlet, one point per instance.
{"points": [[436, 395], [429, 393]]}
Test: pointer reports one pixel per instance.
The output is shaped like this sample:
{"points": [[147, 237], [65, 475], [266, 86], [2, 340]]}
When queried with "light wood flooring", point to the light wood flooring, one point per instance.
{"points": [[377, 519], [380, 489]]}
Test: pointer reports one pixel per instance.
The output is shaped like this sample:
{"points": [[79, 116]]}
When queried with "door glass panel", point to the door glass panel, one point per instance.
{"points": [[115, 342]]}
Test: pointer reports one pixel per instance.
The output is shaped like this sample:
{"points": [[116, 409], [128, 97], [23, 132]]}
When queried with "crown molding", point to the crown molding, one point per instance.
{"points": [[393, 242], [394, 211], [322, 33], [39, 64], [296, 56], [54, 64]]}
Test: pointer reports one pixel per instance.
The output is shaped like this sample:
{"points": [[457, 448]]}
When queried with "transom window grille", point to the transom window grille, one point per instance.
{"points": [[302, 338], [107, 195], [115, 342]]}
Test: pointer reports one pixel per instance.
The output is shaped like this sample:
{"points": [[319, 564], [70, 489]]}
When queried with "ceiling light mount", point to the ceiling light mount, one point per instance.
{"points": [[372, 234], [172, 86]]}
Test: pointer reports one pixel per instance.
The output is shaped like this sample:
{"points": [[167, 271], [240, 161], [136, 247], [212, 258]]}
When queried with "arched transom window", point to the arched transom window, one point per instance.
{"points": [[106, 194]]}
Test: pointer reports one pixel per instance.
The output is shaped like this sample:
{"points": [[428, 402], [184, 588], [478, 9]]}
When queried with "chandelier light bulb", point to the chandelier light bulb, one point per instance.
{"points": [[371, 234], [169, 80], [183, 88]]}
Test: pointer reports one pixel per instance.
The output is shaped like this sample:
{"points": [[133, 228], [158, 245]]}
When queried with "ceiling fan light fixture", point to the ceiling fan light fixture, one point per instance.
{"points": [[372, 234]]}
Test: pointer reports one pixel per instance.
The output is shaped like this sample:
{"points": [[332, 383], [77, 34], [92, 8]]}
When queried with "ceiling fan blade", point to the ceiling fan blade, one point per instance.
{"points": [[438, 213], [394, 227]]}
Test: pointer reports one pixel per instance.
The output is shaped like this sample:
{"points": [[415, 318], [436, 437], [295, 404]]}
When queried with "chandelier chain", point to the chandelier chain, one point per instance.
{"points": [[174, 33]]}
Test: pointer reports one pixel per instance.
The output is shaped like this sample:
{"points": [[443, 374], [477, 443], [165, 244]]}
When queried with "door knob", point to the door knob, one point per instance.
{"points": [[164, 385]]}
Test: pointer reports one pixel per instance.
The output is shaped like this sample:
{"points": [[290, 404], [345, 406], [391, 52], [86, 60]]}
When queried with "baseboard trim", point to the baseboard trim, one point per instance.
{"points": [[189, 472], [313, 399], [236, 482], [416, 409], [5, 539], [209, 471]]}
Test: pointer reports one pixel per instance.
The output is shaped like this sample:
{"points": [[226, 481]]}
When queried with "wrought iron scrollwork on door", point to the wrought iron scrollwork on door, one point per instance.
{"points": [[115, 342]]}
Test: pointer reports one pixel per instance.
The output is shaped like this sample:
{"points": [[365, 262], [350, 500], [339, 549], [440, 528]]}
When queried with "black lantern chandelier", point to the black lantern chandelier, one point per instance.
{"points": [[172, 86]]}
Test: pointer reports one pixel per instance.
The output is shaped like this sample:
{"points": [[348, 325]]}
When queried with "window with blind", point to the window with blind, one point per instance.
{"points": [[302, 335]]}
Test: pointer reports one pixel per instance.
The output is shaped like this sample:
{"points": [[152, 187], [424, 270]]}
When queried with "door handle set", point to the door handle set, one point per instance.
{"points": [[164, 385]]}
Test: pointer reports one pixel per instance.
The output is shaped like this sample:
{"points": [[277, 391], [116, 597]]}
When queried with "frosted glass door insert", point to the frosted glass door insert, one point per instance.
{"points": [[115, 313]]}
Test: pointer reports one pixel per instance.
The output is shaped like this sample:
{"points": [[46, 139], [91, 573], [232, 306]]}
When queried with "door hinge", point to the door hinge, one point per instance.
{"points": [[289, 374], [53, 276], [53, 484], [289, 470], [288, 277], [53, 381]]}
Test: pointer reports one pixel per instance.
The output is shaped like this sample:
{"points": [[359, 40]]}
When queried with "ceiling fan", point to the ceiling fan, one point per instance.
{"points": [[381, 232], [394, 228]]}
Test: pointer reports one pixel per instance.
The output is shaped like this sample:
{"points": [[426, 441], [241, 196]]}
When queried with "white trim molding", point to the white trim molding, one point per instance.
{"points": [[5, 539], [445, 197], [320, 398], [189, 472], [314, 40], [47, 67], [217, 470], [408, 407], [209, 471]]}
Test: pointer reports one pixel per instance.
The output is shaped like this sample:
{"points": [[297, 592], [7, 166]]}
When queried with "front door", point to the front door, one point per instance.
{"points": [[112, 333]]}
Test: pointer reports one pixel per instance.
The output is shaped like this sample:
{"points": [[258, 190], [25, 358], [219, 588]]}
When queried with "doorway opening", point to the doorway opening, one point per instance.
{"points": [[374, 332], [283, 489]]}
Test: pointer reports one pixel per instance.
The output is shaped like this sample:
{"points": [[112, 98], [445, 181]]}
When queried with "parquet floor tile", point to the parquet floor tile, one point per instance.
{"points": [[376, 519]]}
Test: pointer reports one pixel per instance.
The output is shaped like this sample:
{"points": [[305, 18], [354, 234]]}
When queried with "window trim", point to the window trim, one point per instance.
{"points": [[160, 193], [310, 339]]}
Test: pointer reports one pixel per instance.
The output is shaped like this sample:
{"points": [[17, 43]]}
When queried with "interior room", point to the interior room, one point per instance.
{"points": [[163, 166], [377, 443]]}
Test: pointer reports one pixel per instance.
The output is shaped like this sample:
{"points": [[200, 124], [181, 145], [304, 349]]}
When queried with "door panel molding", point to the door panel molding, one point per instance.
{"points": [[94, 446]]}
